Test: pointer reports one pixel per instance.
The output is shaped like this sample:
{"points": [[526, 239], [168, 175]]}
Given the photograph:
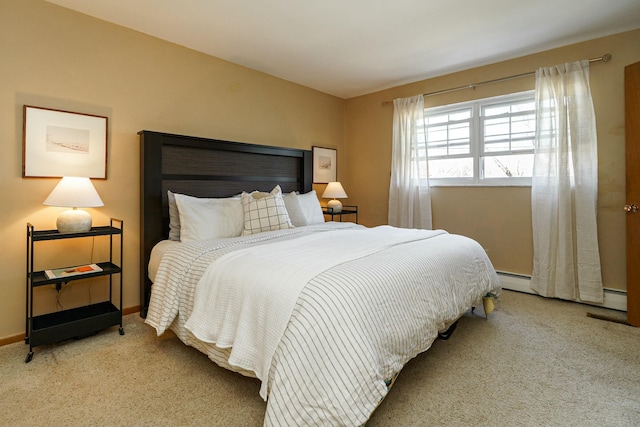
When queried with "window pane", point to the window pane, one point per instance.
{"points": [[495, 110], [522, 144], [459, 131], [511, 130], [449, 133], [496, 127], [451, 168], [441, 118], [437, 133], [496, 145], [524, 124], [528, 105], [437, 150], [460, 115], [508, 166], [509, 108], [459, 147]]}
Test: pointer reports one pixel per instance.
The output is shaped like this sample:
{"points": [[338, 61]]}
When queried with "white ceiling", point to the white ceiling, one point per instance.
{"points": [[352, 47]]}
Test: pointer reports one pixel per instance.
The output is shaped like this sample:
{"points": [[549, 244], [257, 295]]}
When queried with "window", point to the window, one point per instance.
{"points": [[484, 142]]}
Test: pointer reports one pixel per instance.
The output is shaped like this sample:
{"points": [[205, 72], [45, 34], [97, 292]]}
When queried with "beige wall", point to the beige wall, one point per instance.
{"points": [[500, 218], [53, 57]]}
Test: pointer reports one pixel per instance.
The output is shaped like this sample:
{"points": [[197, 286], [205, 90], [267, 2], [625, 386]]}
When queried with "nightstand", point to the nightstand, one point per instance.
{"points": [[346, 210], [80, 321]]}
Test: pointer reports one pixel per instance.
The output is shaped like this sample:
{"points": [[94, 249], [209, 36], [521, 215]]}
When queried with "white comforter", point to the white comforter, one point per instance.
{"points": [[245, 299], [350, 324]]}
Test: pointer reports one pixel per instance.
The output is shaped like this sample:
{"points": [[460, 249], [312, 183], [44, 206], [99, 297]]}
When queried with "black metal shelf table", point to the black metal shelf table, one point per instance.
{"points": [[346, 210], [80, 321]]}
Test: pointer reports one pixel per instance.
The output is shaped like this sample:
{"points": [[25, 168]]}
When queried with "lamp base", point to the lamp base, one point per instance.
{"points": [[335, 206], [74, 221]]}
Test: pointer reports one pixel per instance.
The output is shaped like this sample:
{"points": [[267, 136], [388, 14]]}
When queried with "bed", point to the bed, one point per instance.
{"points": [[324, 314]]}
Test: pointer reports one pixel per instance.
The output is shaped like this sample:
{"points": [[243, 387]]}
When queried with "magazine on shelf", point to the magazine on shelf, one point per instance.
{"points": [[72, 271]]}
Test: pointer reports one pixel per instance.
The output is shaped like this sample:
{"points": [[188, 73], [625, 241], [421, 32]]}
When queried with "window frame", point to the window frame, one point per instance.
{"points": [[476, 142]]}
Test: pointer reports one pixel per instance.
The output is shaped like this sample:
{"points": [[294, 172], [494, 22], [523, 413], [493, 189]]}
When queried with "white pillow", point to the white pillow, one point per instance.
{"points": [[266, 213], [205, 219], [174, 217], [303, 209]]}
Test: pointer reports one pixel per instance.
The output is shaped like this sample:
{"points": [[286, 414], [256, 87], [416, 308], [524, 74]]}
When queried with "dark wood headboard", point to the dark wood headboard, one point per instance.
{"points": [[204, 167]]}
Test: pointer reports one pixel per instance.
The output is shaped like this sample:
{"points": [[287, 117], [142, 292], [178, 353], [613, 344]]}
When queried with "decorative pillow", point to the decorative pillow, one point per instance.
{"points": [[266, 213], [303, 209], [259, 194], [205, 219]]}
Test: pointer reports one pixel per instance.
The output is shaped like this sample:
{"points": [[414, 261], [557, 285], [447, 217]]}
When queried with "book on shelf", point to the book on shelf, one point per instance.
{"points": [[72, 271]]}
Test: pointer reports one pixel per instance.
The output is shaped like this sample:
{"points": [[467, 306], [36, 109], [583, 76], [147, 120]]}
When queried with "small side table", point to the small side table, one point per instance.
{"points": [[346, 210]]}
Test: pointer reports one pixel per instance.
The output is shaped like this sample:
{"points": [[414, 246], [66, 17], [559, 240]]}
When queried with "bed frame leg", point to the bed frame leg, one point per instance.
{"points": [[488, 305], [447, 334]]}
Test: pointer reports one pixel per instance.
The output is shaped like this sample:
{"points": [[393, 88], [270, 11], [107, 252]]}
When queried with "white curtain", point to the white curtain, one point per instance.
{"points": [[566, 261], [409, 198]]}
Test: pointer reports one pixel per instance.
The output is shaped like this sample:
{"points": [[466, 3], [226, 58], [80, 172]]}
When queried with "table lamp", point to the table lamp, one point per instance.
{"points": [[74, 192], [334, 191]]}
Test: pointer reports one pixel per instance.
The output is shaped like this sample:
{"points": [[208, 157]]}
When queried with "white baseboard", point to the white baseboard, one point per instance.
{"points": [[613, 298]]}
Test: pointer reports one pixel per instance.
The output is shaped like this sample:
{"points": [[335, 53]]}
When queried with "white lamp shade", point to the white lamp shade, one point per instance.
{"points": [[334, 190], [74, 192]]}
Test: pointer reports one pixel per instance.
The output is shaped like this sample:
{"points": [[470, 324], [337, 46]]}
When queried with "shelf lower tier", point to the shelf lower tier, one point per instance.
{"points": [[73, 323]]}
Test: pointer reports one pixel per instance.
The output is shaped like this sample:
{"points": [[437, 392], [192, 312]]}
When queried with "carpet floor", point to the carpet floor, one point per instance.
{"points": [[534, 362]]}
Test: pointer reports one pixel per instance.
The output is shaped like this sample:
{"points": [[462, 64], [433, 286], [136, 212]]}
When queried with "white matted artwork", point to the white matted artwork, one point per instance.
{"points": [[60, 143], [324, 165]]}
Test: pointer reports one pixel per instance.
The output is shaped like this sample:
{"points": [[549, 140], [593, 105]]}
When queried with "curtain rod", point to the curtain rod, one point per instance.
{"points": [[604, 58]]}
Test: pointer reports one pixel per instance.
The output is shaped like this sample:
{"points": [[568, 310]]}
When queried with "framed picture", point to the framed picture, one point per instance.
{"points": [[324, 165], [61, 143]]}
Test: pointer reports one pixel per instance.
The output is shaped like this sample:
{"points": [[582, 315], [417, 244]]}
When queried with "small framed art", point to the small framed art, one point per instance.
{"points": [[60, 143], [324, 165]]}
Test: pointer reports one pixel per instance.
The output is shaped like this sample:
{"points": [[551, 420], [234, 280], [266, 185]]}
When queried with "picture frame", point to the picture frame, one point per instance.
{"points": [[59, 143], [325, 166]]}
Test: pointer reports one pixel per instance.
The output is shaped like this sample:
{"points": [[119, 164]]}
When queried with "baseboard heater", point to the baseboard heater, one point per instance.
{"points": [[614, 299]]}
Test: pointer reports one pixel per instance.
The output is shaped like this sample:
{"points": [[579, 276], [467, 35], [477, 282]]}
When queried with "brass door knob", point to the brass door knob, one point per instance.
{"points": [[631, 208]]}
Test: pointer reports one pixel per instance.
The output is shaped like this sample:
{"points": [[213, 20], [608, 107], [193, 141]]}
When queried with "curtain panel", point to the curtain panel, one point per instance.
{"points": [[564, 186], [409, 197]]}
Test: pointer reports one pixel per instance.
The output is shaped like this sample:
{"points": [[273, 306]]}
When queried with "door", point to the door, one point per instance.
{"points": [[632, 153]]}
